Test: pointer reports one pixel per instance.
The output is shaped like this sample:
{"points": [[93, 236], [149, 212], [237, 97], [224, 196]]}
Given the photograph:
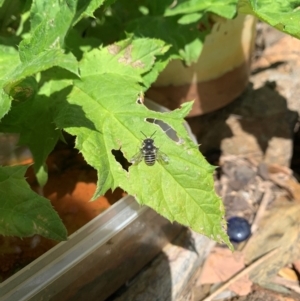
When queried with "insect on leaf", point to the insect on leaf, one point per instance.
{"points": [[103, 114]]}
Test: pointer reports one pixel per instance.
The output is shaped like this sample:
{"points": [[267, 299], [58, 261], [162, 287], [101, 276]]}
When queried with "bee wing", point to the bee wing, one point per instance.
{"points": [[162, 157], [137, 158]]}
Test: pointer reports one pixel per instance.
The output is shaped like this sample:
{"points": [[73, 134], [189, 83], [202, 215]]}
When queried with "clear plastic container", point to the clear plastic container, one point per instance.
{"points": [[96, 259]]}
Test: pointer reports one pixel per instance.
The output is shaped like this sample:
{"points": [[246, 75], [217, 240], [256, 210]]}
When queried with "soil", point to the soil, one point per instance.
{"points": [[70, 187]]}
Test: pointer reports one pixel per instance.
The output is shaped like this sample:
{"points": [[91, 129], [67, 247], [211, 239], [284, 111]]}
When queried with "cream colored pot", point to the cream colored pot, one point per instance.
{"points": [[220, 75]]}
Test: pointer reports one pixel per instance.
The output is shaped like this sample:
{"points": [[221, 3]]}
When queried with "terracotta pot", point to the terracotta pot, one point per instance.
{"points": [[219, 76]]}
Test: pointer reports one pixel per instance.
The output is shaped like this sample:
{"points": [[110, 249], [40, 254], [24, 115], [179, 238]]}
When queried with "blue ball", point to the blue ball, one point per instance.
{"points": [[238, 229]]}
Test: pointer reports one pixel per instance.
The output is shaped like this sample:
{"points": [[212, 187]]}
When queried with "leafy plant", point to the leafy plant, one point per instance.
{"points": [[78, 66]]}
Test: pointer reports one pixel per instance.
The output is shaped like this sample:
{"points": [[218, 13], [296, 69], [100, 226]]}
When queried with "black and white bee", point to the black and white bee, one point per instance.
{"points": [[150, 153]]}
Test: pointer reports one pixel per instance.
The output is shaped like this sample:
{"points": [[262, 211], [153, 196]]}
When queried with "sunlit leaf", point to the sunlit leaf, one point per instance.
{"points": [[102, 112]]}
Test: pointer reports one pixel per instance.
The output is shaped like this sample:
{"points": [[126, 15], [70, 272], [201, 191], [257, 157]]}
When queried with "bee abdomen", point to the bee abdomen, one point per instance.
{"points": [[150, 159]]}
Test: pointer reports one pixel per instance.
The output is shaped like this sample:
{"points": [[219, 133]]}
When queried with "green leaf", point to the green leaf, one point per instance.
{"points": [[151, 76], [92, 6], [88, 8], [9, 11], [183, 190], [176, 23], [186, 41], [103, 113], [223, 8], [190, 18], [33, 119], [79, 45], [105, 72], [22, 211], [5, 103], [40, 62], [9, 58], [24, 90], [50, 22], [13, 80], [281, 14]]}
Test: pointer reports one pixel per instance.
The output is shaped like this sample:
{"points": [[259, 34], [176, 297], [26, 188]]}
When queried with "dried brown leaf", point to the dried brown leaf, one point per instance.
{"points": [[221, 265]]}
